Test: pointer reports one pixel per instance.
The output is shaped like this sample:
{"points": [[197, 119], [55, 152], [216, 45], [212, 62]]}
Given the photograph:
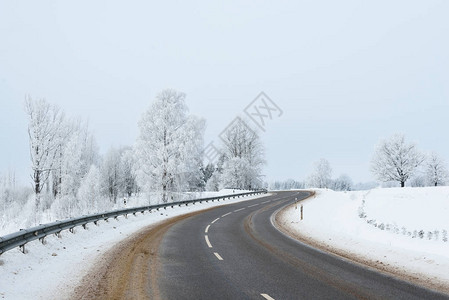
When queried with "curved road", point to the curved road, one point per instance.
{"points": [[234, 252]]}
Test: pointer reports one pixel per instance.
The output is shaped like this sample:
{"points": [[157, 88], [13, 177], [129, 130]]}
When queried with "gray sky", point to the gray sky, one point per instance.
{"points": [[345, 73]]}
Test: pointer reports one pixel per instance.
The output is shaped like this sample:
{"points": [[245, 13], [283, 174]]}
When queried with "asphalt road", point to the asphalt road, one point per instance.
{"points": [[234, 252]]}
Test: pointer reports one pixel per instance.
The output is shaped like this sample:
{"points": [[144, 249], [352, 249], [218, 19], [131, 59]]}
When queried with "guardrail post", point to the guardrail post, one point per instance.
{"points": [[42, 240], [71, 230], [58, 234], [84, 226], [22, 248], [96, 223]]}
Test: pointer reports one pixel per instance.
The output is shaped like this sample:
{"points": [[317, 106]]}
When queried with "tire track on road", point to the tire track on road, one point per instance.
{"points": [[130, 269]]}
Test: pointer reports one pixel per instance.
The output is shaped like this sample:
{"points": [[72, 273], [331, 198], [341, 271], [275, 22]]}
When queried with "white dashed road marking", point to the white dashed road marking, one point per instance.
{"points": [[207, 241], [267, 297], [265, 202], [207, 229], [215, 220], [239, 209], [253, 205], [218, 256], [226, 214]]}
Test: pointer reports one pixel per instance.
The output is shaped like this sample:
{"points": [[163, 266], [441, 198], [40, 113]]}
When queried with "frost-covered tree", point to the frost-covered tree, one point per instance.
{"points": [[112, 177], [89, 194], [192, 155], [242, 147], [128, 172], [169, 145], [236, 174], [342, 183], [321, 175], [75, 155], [417, 180], [436, 170], [208, 171], [395, 160], [213, 183], [289, 184], [45, 123]]}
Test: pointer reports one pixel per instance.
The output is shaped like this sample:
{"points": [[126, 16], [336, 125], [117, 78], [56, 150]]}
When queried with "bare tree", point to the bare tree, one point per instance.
{"points": [[44, 131], [436, 170], [396, 160]]}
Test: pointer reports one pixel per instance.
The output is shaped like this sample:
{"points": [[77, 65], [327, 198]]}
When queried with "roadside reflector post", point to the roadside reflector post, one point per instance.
{"points": [[302, 212]]}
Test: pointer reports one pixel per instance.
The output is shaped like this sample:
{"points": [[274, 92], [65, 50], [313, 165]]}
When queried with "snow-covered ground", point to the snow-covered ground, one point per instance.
{"points": [[16, 216], [51, 271], [399, 230]]}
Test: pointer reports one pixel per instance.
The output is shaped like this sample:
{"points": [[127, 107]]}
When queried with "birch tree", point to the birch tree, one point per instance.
{"points": [[169, 144], [396, 160], [44, 131]]}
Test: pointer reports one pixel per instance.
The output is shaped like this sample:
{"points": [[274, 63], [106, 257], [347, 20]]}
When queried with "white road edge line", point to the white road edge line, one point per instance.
{"points": [[239, 209], [226, 214], [267, 297], [207, 241], [207, 229], [219, 257], [215, 220]]}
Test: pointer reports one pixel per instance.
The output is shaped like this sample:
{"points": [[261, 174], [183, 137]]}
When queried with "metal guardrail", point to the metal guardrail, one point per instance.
{"points": [[21, 238]]}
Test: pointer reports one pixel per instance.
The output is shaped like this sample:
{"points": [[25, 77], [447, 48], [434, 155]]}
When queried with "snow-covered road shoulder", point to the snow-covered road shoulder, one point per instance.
{"points": [[53, 270], [401, 231]]}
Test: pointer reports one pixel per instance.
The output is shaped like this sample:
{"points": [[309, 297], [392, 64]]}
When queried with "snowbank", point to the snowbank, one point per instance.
{"points": [[17, 216], [399, 230], [52, 270]]}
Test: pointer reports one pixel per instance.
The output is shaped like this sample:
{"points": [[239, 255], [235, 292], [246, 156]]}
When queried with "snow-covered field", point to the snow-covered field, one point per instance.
{"points": [[399, 230], [51, 271]]}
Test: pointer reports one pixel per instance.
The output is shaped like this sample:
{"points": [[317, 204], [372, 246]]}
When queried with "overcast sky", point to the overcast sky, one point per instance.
{"points": [[345, 73]]}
